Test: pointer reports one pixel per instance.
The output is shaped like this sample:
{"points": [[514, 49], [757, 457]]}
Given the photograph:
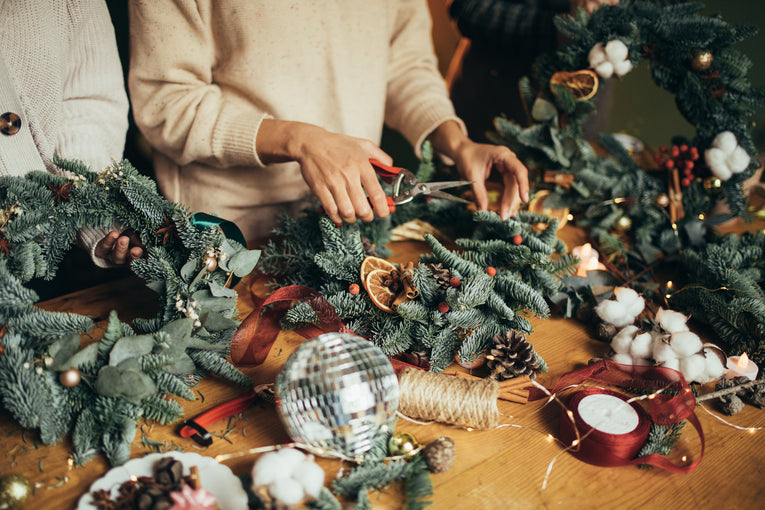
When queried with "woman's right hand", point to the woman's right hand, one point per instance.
{"points": [[336, 167]]}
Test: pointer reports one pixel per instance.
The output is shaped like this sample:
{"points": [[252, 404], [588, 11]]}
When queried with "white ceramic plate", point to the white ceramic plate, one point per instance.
{"points": [[216, 478]]}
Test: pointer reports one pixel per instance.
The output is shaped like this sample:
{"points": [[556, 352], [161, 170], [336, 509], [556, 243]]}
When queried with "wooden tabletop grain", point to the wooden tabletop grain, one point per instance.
{"points": [[503, 468]]}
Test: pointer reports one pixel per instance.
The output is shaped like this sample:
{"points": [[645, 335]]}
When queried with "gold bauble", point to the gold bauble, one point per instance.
{"points": [[14, 490], [661, 200], [211, 263], [402, 443], [623, 224], [70, 377], [702, 60], [713, 184]]}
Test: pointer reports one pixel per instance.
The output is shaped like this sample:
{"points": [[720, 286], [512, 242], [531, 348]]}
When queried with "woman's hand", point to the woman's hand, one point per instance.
{"points": [[119, 248], [336, 167]]}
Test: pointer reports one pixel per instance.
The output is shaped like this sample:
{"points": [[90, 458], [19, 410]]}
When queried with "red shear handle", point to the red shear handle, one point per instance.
{"points": [[195, 428], [387, 172]]}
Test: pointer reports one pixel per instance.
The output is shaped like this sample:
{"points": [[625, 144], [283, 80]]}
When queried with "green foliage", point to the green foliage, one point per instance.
{"points": [[661, 439], [131, 374]]}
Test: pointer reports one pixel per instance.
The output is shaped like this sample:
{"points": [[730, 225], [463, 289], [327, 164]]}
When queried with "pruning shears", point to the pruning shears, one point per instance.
{"points": [[406, 186]]}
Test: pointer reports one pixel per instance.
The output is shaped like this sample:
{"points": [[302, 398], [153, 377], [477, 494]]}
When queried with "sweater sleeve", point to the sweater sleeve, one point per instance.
{"points": [[417, 100], [95, 105], [509, 24], [176, 104]]}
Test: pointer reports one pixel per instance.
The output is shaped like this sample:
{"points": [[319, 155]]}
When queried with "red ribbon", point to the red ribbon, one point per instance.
{"points": [[664, 410], [253, 339]]}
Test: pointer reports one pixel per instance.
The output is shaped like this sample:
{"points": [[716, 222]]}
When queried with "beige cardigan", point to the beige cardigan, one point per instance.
{"points": [[205, 73]]}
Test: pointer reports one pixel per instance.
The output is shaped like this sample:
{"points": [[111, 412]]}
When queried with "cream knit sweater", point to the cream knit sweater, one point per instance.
{"points": [[61, 73], [205, 73]]}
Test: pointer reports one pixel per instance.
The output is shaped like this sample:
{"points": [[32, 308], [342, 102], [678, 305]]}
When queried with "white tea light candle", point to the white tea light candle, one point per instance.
{"points": [[741, 366]]}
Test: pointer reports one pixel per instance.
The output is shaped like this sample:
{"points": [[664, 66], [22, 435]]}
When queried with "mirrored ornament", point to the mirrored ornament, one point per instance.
{"points": [[337, 392]]}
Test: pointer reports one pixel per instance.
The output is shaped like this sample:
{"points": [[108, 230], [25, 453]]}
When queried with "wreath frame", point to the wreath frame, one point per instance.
{"points": [[131, 372]]}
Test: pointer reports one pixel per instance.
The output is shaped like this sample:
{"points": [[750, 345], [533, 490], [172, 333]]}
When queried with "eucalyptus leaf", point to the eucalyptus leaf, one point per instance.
{"points": [[87, 355], [218, 290], [217, 322], [130, 347], [209, 303], [109, 381], [189, 270], [179, 328], [244, 262], [183, 365], [157, 286], [63, 349]]}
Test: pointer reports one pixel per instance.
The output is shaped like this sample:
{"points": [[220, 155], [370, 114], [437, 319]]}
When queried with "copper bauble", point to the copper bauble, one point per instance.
{"points": [[402, 443], [661, 200], [702, 60], [70, 377], [623, 224], [211, 263], [713, 184]]}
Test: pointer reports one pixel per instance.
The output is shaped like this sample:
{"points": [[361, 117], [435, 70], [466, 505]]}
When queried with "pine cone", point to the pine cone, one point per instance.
{"points": [[368, 247], [512, 356], [439, 454], [441, 274]]}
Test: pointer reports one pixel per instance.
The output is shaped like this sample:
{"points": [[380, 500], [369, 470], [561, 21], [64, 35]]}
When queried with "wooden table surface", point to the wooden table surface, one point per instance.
{"points": [[502, 468]]}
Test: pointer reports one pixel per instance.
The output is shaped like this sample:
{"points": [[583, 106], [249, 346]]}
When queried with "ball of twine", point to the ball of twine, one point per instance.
{"points": [[446, 399]]}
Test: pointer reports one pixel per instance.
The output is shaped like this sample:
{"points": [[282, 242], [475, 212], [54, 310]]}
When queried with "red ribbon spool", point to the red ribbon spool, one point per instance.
{"points": [[596, 446]]}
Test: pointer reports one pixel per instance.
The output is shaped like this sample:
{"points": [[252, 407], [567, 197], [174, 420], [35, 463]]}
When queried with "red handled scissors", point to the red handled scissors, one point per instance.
{"points": [[406, 186]]}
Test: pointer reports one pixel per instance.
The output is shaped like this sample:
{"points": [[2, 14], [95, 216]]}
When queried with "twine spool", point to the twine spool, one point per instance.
{"points": [[453, 400], [611, 430]]}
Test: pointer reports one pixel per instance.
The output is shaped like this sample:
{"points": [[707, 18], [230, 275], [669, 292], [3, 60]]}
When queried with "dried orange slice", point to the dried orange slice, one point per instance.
{"points": [[370, 264], [582, 84], [537, 205], [378, 292]]}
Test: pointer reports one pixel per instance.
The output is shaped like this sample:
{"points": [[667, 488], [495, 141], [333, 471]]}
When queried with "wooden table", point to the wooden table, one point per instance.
{"points": [[502, 468]]}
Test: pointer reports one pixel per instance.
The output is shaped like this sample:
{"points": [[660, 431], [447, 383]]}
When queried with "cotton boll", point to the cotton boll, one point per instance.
{"points": [[671, 321], [622, 68], [286, 490], [673, 363], [616, 51], [621, 341], [726, 141], [615, 313], [640, 362], [311, 477], [597, 55], [738, 161], [685, 344], [266, 469], [605, 69], [641, 346], [632, 301], [693, 367], [717, 162], [622, 359], [714, 365], [662, 352]]}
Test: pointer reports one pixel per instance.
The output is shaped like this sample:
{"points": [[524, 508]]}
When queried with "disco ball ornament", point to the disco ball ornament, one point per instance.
{"points": [[338, 392]]}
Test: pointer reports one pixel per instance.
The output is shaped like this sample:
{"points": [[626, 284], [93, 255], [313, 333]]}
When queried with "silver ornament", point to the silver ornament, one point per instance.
{"points": [[337, 392]]}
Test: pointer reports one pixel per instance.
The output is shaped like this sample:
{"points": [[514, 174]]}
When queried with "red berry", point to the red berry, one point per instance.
{"points": [[688, 172], [663, 149], [669, 164], [689, 165], [443, 307], [683, 148], [686, 182], [491, 271], [517, 239], [454, 281], [694, 153], [675, 151], [354, 288], [658, 157]]}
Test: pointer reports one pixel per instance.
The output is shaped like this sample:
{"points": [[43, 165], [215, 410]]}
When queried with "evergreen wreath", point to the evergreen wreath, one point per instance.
{"points": [[690, 56], [128, 374], [499, 275]]}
